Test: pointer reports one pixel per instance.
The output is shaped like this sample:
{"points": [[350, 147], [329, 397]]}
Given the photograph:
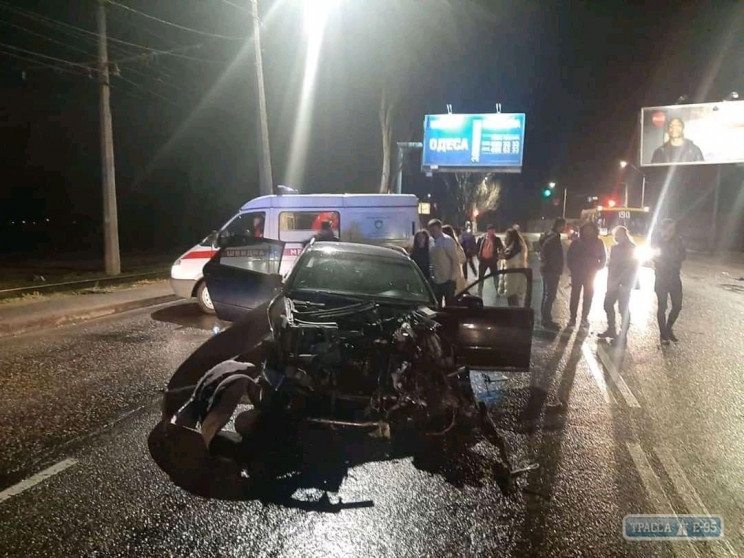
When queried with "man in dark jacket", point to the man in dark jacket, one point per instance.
{"points": [[678, 149], [469, 245], [621, 278], [551, 268], [585, 257], [668, 263]]}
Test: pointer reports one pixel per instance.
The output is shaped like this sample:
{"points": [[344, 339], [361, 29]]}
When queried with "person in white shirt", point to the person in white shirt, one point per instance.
{"points": [[445, 264]]}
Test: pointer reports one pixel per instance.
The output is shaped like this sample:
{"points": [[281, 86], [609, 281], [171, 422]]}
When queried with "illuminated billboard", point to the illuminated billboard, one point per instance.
{"points": [[701, 134], [473, 142]]}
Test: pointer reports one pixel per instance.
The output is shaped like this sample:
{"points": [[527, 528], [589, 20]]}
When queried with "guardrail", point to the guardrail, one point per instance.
{"points": [[83, 283]]}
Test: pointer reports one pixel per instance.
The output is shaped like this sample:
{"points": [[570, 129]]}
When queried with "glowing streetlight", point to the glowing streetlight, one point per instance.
{"points": [[316, 14], [551, 185], [623, 164]]}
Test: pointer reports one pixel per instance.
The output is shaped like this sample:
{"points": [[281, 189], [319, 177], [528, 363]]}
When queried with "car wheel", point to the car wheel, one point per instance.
{"points": [[203, 299]]}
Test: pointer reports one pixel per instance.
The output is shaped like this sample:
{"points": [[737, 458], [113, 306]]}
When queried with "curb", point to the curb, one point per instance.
{"points": [[47, 322]]}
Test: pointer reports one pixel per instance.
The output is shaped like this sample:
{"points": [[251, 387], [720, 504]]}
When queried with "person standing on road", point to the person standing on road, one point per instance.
{"points": [[551, 268], [515, 257], [668, 264], [621, 278], [489, 248], [445, 265], [420, 253], [585, 257], [467, 241]]}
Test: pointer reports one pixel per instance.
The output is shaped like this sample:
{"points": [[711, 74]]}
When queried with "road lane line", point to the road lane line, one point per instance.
{"points": [[41, 476], [689, 495], [656, 494], [596, 371], [617, 379]]}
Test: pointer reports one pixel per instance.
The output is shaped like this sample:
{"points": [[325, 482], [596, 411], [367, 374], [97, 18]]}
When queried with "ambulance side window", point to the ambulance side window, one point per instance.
{"points": [[298, 226], [246, 224]]}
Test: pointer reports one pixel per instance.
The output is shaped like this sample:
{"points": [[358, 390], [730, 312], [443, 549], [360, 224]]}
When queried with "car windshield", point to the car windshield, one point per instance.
{"points": [[360, 275]]}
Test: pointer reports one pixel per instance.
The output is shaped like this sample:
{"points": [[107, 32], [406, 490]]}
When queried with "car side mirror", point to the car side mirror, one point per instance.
{"points": [[470, 301]]}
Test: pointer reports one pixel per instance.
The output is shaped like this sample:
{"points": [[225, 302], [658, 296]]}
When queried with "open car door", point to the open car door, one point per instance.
{"points": [[488, 332], [243, 274]]}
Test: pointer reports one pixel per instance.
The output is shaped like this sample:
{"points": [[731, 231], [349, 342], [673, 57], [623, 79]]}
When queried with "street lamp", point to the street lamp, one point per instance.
{"points": [[623, 165], [547, 193], [265, 179]]}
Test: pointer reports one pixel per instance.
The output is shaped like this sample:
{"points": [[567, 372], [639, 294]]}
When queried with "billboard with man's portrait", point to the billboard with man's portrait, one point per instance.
{"points": [[700, 134]]}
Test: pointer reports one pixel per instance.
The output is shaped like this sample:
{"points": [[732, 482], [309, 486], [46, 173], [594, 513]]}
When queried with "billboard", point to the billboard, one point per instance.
{"points": [[473, 142], [701, 134]]}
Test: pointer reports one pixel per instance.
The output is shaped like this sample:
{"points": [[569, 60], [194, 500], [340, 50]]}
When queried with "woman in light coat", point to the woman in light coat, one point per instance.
{"points": [[515, 257], [461, 282]]}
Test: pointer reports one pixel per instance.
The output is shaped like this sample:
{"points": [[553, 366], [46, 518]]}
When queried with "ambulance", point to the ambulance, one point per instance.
{"points": [[390, 219]]}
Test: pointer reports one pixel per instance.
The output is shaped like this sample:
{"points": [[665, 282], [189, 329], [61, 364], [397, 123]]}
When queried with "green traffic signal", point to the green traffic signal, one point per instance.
{"points": [[547, 193]]}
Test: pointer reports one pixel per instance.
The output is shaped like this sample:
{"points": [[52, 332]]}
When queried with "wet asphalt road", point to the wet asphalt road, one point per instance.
{"points": [[650, 430]]}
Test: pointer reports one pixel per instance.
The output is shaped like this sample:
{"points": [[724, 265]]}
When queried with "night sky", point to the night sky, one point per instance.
{"points": [[185, 123]]}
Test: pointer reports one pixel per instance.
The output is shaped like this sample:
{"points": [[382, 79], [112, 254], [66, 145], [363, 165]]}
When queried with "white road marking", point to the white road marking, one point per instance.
{"points": [[656, 494], [617, 379], [16, 489], [596, 371], [690, 497]]}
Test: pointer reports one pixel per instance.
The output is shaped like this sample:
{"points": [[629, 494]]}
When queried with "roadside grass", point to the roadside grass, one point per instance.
{"points": [[19, 275], [35, 296]]}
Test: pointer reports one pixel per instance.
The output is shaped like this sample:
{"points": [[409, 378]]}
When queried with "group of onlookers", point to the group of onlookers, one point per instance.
{"points": [[444, 254], [586, 256]]}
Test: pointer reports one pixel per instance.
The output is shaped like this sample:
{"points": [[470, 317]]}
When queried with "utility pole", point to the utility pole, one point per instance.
{"points": [[110, 218], [565, 195], [713, 234], [403, 148], [265, 179]]}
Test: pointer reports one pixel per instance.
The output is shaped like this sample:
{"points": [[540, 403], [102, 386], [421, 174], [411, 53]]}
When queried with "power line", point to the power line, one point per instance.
{"points": [[93, 36], [237, 6], [60, 60], [40, 64], [54, 22], [145, 89], [176, 25], [46, 38]]}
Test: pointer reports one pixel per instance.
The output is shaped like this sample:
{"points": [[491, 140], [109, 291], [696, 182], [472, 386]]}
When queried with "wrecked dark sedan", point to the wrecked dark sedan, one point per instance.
{"points": [[353, 338]]}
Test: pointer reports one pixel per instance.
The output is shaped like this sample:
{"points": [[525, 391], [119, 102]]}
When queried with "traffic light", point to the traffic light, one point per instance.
{"points": [[547, 192]]}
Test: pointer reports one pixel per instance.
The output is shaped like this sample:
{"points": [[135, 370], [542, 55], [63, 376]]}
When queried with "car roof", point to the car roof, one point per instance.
{"points": [[365, 250]]}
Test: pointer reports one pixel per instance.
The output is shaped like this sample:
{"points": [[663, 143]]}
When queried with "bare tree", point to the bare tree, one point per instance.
{"points": [[407, 40], [468, 191]]}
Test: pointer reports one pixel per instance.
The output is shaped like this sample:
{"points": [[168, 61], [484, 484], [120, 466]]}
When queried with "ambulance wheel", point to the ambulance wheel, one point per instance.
{"points": [[203, 299]]}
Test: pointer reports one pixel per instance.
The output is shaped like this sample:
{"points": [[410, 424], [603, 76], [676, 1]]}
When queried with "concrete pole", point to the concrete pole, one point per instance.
{"points": [[265, 179], [403, 147], [714, 217], [565, 195], [643, 192], [110, 218]]}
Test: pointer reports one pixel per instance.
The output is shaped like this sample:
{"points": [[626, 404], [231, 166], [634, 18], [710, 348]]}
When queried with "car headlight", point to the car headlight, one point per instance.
{"points": [[645, 254]]}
